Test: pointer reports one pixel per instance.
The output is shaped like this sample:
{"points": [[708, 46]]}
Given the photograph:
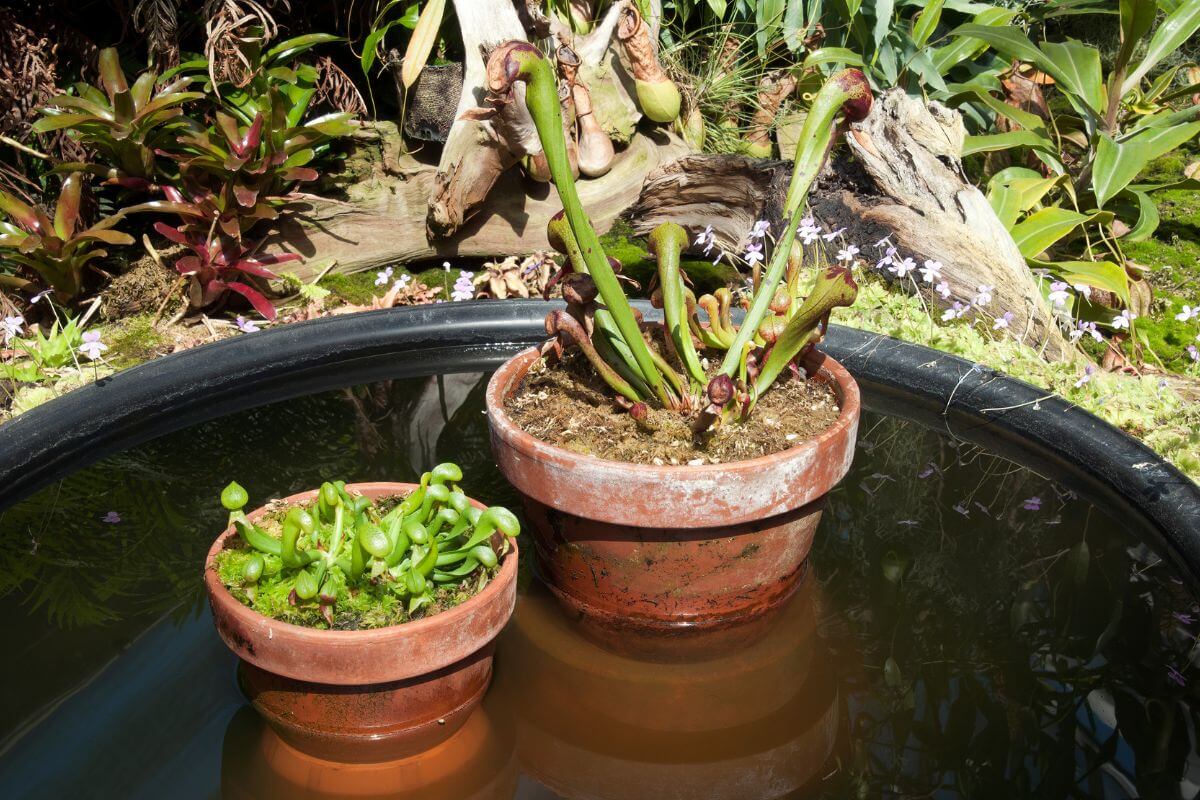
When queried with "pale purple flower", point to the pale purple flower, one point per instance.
{"points": [[884, 242], [926, 472], [112, 518], [829, 237], [761, 228], [1193, 353], [37, 298], [754, 254], [1175, 676], [446, 266], [12, 327], [464, 289], [1089, 328], [383, 277], [932, 271], [1186, 619], [1086, 377], [1059, 294], [401, 282], [1032, 503], [943, 289], [1083, 289], [847, 253], [808, 231], [889, 257], [955, 311], [92, 347], [1002, 321], [901, 268], [1188, 313], [962, 509], [1123, 319], [984, 296], [246, 325], [706, 239]]}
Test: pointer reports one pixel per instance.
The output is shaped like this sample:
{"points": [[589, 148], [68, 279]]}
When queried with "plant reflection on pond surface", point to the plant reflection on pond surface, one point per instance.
{"points": [[967, 629]]}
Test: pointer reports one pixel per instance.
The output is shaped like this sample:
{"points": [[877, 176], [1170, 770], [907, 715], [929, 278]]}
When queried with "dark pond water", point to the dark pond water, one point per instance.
{"points": [[968, 629]]}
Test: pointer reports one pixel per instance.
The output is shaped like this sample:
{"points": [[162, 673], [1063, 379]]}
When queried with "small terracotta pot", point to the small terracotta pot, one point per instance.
{"points": [[705, 554], [370, 695]]}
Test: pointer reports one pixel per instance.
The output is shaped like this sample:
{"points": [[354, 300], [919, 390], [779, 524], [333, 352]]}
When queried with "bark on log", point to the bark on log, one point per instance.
{"points": [[381, 221]]}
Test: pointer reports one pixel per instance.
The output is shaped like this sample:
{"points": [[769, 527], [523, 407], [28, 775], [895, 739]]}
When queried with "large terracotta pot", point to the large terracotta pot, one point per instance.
{"points": [[370, 695], [702, 554], [759, 722]]}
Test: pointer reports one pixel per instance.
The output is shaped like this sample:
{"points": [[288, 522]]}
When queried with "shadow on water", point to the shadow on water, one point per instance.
{"points": [[967, 629]]}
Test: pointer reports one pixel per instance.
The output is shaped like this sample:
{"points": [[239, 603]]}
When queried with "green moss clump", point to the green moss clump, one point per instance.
{"points": [[134, 340], [624, 245], [354, 288]]}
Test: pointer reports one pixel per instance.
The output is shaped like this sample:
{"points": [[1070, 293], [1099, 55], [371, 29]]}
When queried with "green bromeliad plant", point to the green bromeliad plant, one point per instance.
{"points": [[347, 560], [780, 323]]}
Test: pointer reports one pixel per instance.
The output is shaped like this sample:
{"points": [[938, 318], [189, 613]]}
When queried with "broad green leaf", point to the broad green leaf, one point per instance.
{"points": [[1137, 17], [1175, 30], [768, 18], [56, 122], [795, 28], [1008, 41], [1148, 217], [883, 21], [1164, 119], [1043, 229], [1078, 71], [1002, 141], [831, 55], [1012, 196], [420, 46], [926, 22], [1027, 120], [1103, 275], [1006, 203], [718, 8], [1181, 183], [1118, 163], [291, 48], [66, 212], [962, 47]]}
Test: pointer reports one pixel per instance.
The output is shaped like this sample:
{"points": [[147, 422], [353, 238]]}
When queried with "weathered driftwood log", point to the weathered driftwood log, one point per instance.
{"points": [[381, 219], [901, 179]]}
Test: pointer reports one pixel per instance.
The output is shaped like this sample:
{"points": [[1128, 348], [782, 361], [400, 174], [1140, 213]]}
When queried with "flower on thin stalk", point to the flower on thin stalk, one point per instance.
{"points": [[246, 325], [383, 277], [754, 254], [1002, 321], [112, 518], [92, 347], [12, 327], [943, 289], [464, 289], [37, 298], [1188, 313], [932, 271], [956, 311], [1185, 619], [847, 253], [889, 258], [1193, 353], [1059, 294], [1032, 503], [760, 229], [808, 231], [1086, 377], [1122, 320], [984, 296], [706, 239], [446, 266], [401, 282], [885, 242], [1089, 328], [901, 268], [926, 472], [829, 237]]}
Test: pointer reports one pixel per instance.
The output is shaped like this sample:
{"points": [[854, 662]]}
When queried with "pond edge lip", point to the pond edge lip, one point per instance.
{"points": [[183, 389]]}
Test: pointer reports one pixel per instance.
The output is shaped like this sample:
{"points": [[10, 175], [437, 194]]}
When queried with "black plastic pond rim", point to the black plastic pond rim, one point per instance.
{"points": [[966, 400]]}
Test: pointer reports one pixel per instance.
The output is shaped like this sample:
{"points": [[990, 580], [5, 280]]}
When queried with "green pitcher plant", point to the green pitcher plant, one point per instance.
{"points": [[780, 323], [329, 548]]}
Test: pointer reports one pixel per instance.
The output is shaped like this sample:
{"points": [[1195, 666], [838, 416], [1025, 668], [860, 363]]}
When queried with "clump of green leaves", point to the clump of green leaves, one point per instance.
{"points": [[344, 560]]}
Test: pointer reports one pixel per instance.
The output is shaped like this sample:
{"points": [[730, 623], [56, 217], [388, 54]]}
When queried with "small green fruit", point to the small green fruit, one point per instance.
{"points": [[660, 100], [234, 497]]}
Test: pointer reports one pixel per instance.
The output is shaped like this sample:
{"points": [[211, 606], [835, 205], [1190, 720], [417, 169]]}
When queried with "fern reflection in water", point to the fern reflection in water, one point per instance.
{"points": [[988, 628]]}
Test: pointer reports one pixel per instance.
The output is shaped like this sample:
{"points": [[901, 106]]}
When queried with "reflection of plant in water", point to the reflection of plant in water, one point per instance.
{"points": [[1033, 654]]}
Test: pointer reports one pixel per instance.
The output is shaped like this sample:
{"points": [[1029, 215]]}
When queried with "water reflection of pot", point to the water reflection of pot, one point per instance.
{"points": [[476, 763], [593, 725], [366, 695]]}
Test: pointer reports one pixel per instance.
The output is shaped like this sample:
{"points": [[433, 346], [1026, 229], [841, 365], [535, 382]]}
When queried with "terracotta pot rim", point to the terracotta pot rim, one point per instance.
{"points": [[232, 606], [844, 386]]}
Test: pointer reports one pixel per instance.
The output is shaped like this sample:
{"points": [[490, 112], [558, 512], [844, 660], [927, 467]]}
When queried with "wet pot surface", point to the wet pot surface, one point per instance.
{"points": [[964, 627]]}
